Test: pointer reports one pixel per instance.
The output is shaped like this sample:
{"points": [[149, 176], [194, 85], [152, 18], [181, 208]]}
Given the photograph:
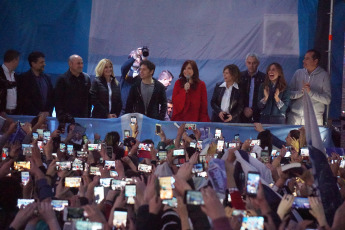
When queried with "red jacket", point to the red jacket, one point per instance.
{"points": [[190, 106]]}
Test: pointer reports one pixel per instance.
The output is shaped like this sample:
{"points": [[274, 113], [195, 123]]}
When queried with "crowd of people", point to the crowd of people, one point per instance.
{"points": [[182, 182], [247, 96]]}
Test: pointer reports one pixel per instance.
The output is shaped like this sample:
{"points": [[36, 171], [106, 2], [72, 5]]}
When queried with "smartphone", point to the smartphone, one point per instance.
{"points": [[77, 165], [70, 214], [72, 182], [237, 212], [232, 145], [171, 203], [63, 165], [82, 154], [94, 170], [87, 225], [178, 152], [265, 156], [274, 153], [218, 133], [220, 145], [202, 174], [198, 168], [192, 144], [22, 203], [253, 222], [98, 192], [21, 165], [255, 142], [70, 149], [27, 151], [62, 147], [118, 185], [126, 133], [145, 168], [199, 145], [35, 135], [59, 205], [105, 182], [237, 137], [166, 185], [162, 155], [253, 179], [190, 127], [113, 173], [253, 155], [25, 178], [40, 145], [202, 158], [130, 193], [110, 165], [92, 147], [158, 129], [133, 120], [120, 218], [144, 147], [301, 203], [194, 198], [46, 136], [4, 153], [305, 152]]}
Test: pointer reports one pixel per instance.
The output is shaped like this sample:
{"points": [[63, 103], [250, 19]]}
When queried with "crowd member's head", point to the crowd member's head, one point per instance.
{"points": [[275, 75], [165, 77], [104, 68], [11, 59], [169, 107], [252, 63], [189, 72], [43, 126], [147, 69], [231, 73], [311, 60], [292, 134], [76, 64], [112, 139], [37, 61], [265, 138]]}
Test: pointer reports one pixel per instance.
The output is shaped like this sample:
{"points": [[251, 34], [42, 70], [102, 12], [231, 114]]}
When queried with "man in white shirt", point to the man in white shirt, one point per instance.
{"points": [[8, 85]]}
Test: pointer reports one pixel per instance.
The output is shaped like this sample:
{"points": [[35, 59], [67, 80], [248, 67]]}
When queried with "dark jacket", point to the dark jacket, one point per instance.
{"points": [[4, 85], [72, 95], [29, 94], [100, 98], [157, 106], [245, 86], [270, 111], [236, 103]]}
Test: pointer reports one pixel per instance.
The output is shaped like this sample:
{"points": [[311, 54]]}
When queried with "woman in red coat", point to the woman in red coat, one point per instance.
{"points": [[190, 95]]}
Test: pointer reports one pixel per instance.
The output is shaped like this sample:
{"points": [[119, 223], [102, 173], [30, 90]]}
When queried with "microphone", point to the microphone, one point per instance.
{"points": [[187, 77]]}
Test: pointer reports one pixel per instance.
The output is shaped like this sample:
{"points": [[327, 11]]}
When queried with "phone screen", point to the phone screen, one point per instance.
{"points": [[86, 225], [21, 165], [144, 147], [110, 165], [192, 144], [178, 152], [99, 194], [27, 151], [237, 137], [118, 184], [46, 136], [72, 182], [162, 155], [130, 193], [70, 149], [40, 134], [301, 203], [92, 147], [25, 178], [304, 152], [35, 136], [253, 222], [220, 145], [105, 182], [145, 168], [120, 218], [133, 120], [194, 198], [22, 203], [253, 180], [190, 127], [218, 133], [62, 147], [94, 171], [73, 213], [166, 185], [158, 129], [255, 142], [197, 168], [63, 165], [232, 145], [59, 205], [126, 133]]}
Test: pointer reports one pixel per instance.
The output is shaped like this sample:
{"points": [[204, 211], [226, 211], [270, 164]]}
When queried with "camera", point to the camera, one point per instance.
{"points": [[145, 51]]}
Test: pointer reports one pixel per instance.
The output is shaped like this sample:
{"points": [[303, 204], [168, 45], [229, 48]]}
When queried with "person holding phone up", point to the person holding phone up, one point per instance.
{"points": [[227, 99], [105, 92], [274, 96]]}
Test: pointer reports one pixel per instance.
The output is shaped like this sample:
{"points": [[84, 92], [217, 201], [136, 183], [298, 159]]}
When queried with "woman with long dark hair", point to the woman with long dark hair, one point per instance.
{"points": [[189, 95], [274, 96]]}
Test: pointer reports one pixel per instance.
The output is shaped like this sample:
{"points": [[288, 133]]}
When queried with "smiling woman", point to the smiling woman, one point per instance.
{"points": [[274, 96]]}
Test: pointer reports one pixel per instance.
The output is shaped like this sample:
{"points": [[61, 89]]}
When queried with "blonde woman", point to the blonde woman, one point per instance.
{"points": [[105, 92]]}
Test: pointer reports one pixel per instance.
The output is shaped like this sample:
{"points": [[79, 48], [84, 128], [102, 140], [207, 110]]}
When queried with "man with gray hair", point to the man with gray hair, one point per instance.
{"points": [[250, 82], [72, 98]]}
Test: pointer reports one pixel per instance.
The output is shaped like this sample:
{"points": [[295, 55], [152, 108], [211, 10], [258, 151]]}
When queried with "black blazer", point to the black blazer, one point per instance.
{"points": [[157, 106], [100, 98], [4, 85], [29, 94], [236, 103]]}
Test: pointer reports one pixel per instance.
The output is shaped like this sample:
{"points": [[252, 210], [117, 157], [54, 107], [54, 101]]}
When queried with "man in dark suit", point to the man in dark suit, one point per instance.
{"points": [[8, 84], [35, 89], [251, 80]]}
